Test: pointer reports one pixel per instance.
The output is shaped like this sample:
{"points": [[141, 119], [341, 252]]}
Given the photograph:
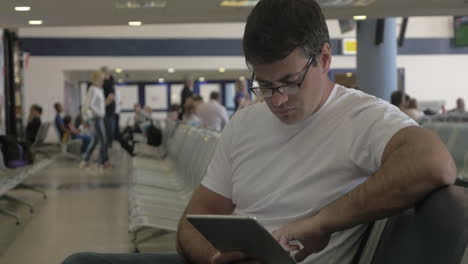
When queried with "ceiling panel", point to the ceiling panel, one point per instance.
{"points": [[102, 12]]}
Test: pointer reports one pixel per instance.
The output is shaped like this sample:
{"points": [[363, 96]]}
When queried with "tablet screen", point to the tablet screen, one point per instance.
{"points": [[240, 233]]}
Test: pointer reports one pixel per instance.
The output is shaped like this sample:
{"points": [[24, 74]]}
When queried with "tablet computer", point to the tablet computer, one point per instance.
{"points": [[241, 233]]}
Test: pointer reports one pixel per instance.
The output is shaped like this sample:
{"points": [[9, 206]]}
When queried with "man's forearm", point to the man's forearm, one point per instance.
{"points": [[409, 173], [192, 245]]}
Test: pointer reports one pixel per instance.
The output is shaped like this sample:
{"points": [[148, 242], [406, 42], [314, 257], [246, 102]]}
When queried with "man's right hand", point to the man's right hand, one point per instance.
{"points": [[232, 257]]}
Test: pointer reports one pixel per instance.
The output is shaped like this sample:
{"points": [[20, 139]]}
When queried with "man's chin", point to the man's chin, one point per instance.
{"points": [[288, 119]]}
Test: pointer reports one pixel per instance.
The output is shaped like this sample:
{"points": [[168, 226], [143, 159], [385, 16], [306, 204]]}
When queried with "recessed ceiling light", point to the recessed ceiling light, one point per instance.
{"points": [[22, 8], [161, 80], [35, 22], [171, 70], [118, 70], [359, 17], [238, 3], [222, 70], [135, 23], [201, 79], [131, 4]]}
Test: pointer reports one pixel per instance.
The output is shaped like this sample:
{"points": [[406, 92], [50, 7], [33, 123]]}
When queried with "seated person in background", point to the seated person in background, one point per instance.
{"points": [[412, 110], [58, 121], [34, 123], [460, 109], [212, 114], [148, 118], [138, 118], [75, 133], [400, 99], [173, 112]]}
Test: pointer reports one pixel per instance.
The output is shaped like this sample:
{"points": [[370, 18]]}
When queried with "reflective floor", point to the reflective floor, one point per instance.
{"points": [[86, 210]]}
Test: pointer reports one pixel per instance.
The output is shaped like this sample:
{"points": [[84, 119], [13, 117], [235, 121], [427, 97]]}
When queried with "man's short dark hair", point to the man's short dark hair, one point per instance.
{"points": [[277, 27], [214, 96]]}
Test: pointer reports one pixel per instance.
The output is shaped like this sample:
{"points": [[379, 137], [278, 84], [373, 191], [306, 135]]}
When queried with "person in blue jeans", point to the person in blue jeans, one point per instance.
{"points": [[76, 134], [94, 110]]}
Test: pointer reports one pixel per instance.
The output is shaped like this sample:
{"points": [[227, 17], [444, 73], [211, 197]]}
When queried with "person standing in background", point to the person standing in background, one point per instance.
{"points": [[58, 121], [94, 111], [212, 114], [186, 93], [241, 98], [109, 95]]}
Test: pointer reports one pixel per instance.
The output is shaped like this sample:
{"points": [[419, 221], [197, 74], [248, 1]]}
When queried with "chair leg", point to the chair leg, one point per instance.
{"points": [[15, 200], [11, 214]]}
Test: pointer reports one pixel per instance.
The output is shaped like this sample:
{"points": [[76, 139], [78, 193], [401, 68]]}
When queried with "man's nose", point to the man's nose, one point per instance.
{"points": [[278, 99]]}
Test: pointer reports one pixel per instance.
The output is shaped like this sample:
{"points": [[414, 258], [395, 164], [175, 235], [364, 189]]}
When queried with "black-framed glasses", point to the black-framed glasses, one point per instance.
{"points": [[287, 89]]}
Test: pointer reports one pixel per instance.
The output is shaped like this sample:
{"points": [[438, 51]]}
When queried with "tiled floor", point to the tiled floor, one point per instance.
{"points": [[86, 211]]}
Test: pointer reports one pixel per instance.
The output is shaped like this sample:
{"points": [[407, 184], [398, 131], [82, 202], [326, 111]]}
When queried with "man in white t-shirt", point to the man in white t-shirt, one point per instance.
{"points": [[316, 162], [212, 114]]}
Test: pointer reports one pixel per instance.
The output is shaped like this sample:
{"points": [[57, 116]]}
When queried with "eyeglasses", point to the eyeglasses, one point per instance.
{"points": [[287, 89]]}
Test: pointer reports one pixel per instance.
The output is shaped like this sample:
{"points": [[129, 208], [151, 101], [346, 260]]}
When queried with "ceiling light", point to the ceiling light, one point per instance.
{"points": [[238, 3], [171, 70], [161, 80], [359, 17], [222, 70], [35, 22], [349, 74], [341, 3], [201, 79], [135, 23], [118, 70], [141, 4], [22, 8]]}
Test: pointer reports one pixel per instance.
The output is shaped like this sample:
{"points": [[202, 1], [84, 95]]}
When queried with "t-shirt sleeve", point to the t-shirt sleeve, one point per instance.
{"points": [[218, 176], [373, 125]]}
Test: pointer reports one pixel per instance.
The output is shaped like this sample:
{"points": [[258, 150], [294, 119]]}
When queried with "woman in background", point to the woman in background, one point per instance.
{"points": [[94, 111]]}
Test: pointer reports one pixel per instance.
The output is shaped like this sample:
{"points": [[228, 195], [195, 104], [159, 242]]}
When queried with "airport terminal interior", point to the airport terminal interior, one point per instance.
{"points": [[113, 111]]}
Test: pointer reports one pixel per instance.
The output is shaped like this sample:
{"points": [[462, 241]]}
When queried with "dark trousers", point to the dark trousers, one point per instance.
{"points": [[128, 258]]}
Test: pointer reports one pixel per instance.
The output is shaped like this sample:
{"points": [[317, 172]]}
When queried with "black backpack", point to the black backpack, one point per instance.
{"points": [[154, 136]]}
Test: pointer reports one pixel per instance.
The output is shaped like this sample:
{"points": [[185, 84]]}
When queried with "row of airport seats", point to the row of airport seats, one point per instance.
{"points": [[450, 117], [11, 179], [434, 231], [455, 137], [161, 188]]}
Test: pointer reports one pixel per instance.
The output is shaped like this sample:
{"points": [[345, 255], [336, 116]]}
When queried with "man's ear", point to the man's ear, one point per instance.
{"points": [[325, 58]]}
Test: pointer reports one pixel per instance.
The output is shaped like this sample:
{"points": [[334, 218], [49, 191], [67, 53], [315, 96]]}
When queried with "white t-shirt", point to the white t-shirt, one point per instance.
{"points": [[213, 115], [279, 173]]}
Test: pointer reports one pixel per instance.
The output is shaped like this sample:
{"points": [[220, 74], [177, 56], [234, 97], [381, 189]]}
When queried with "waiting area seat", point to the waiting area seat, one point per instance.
{"points": [[161, 188], [14, 179], [455, 137], [433, 232]]}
